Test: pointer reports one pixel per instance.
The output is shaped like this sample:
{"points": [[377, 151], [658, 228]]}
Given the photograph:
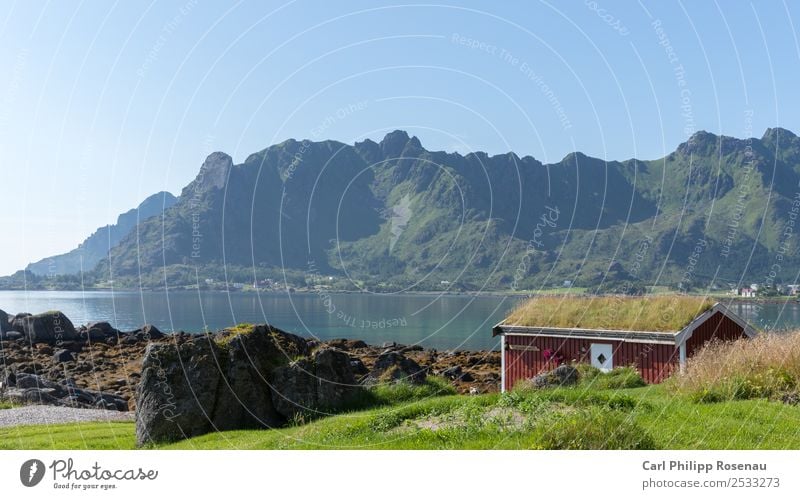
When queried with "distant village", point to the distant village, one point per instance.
{"points": [[262, 285], [757, 290]]}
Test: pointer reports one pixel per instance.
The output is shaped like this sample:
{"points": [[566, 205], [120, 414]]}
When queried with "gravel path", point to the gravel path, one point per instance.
{"points": [[49, 414]]}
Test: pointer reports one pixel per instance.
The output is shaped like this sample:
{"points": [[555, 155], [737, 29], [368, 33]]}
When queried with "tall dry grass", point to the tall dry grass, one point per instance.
{"points": [[645, 313], [767, 366]]}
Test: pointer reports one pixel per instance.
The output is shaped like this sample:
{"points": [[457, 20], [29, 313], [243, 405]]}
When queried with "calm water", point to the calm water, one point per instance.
{"points": [[444, 322]]}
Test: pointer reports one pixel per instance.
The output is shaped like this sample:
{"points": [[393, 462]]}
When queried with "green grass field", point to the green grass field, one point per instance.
{"points": [[581, 417]]}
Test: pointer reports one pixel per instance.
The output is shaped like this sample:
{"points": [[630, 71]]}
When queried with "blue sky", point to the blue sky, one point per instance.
{"points": [[103, 103]]}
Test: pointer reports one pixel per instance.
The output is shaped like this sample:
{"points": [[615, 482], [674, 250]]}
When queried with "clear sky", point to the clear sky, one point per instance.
{"points": [[103, 103]]}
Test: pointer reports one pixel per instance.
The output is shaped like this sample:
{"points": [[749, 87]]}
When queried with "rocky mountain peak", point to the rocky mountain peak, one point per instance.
{"points": [[699, 141], [214, 171], [778, 133], [395, 142]]}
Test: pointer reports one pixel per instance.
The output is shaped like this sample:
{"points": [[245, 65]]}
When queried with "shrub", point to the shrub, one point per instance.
{"points": [[587, 372], [590, 398], [767, 366], [232, 332], [525, 401], [594, 428], [616, 379], [612, 400], [386, 421], [532, 400], [591, 377], [707, 396], [403, 391]]}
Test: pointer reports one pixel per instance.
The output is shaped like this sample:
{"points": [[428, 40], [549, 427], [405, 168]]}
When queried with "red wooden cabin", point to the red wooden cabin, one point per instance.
{"points": [[527, 351]]}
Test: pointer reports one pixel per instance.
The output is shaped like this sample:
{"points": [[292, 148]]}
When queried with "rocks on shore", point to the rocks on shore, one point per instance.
{"points": [[40, 328], [96, 359], [33, 389], [5, 324], [246, 379], [393, 366], [183, 384]]}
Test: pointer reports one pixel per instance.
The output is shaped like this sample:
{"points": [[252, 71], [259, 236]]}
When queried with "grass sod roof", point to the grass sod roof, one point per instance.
{"points": [[663, 313]]}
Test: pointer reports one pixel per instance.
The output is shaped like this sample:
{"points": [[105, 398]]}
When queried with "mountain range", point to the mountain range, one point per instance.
{"points": [[96, 247], [391, 215]]}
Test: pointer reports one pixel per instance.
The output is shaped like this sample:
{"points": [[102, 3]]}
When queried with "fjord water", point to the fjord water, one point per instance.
{"points": [[434, 321], [443, 322]]}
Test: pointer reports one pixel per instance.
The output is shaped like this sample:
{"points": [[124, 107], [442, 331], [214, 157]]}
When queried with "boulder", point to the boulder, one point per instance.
{"points": [[336, 383], [5, 324], [322, 383], [72, 346], [178, 394], [17, 322], [31, 396], [63, 355], [560, 376], [456, 373], [345, 344], [340, 343], [211, 383], [356, 344], [294, 389], [394, 367], [145, 334], [49, 327], [107, 401], [24, 388], [13, 335], [130, 339], [31, 381], [358, 367], [251, 360], [150, 332], [78, 397], [453, 372], [98, 331]]}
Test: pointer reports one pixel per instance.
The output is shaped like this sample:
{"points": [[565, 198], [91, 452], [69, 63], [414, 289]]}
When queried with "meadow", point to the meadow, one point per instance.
{"points": [[734, 395], [604, 411]]}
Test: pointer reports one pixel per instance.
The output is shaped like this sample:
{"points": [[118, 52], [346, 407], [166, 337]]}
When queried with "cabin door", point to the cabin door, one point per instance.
{"points": [[602, 354]]}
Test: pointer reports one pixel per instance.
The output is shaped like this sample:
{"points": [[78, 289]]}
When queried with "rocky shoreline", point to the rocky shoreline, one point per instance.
{"points": [[44, 358]]}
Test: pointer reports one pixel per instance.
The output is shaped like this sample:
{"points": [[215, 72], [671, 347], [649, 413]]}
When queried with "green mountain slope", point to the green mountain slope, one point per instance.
{"points": [[393, 215]]}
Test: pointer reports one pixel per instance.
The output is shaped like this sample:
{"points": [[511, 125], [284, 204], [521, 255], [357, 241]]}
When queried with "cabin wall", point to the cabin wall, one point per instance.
{"points": [[718, 326], [655, 362]]}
